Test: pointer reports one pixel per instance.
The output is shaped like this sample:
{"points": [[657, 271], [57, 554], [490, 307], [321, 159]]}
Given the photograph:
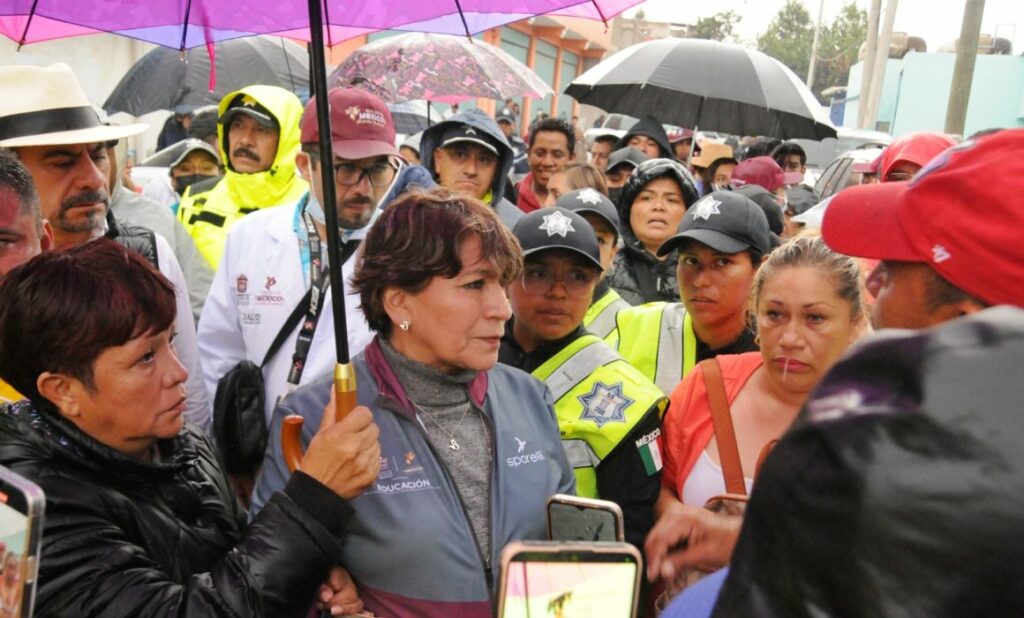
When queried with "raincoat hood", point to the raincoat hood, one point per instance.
{"points": [[647, 171], [281, 183], [650, 127], [481, 122]]}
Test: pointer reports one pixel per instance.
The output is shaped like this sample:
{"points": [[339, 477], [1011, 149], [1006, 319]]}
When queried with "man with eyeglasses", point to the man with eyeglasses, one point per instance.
{"points": [[608, 413], [275, 260], [469, 154]]}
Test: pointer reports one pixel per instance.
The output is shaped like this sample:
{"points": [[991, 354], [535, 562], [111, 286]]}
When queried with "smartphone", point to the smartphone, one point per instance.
{"points": [[21, 523], [571, 518], [569, 580]]}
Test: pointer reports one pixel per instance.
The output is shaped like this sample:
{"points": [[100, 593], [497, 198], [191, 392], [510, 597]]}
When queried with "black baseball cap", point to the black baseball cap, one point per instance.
{"points": [[557, 228], [769, 205], [590, 200], [246, 104], [505, 118], [460, 132], [726, 222], [629, 155]]}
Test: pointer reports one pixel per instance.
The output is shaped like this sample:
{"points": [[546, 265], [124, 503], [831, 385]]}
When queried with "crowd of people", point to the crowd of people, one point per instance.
{"points": [[651, 319]]}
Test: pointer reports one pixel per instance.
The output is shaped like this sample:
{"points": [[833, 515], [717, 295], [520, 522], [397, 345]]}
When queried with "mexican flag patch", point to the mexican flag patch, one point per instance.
{"points": [[650, 454]]}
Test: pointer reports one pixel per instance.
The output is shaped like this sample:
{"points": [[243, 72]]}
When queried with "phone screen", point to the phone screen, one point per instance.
{"points": [[570, 522], [569, 585], [14, 539]]}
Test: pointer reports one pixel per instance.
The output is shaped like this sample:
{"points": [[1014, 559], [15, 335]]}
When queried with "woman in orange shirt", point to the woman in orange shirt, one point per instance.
{"points": [[807, 305]]}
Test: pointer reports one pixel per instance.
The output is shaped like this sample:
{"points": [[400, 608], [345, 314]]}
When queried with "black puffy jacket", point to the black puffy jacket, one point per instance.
{"points": [[637, 275], [126, 538]]}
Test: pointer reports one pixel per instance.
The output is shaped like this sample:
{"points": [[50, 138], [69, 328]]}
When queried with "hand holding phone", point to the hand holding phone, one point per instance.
{"points": [[569, 580], [21, 520], [571, 518]]}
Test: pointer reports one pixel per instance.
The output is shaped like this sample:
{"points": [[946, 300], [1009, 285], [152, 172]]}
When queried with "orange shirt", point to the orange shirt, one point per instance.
{"points": [[687, 427]]}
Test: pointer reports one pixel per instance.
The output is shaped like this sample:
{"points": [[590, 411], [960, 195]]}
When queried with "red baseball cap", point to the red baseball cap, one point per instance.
{"points": [[867, 167], [361, 124], [916, 148], [764, 172], [961, 215]]}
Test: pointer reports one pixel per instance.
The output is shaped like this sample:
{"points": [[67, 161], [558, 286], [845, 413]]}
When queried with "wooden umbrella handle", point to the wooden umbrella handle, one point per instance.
{"points": [[344, 402]]}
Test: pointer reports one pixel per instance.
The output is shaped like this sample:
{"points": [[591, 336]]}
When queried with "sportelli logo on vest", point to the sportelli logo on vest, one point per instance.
{"points": [[521, 444]]}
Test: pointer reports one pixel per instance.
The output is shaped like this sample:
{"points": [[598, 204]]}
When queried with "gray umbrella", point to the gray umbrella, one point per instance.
{"points": [[706, 84], [163, 80]]}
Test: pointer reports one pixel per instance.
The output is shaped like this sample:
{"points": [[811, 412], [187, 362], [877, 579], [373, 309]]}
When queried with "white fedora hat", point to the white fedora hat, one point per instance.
{"points": [[45, 106]]}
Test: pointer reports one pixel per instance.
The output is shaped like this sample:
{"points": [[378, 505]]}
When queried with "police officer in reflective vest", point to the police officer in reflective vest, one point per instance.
{"points": [[721, 241], [600, 213], [608, 414]]}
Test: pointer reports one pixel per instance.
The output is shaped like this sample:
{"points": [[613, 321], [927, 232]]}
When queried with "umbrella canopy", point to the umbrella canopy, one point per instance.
{"points": [[411, 116], [183, 24], [163, 79], [438, 67], [707, 84]]}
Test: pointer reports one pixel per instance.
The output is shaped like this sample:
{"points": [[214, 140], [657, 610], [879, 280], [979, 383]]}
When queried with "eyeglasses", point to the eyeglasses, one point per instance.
{"points": [[539, 280], [379, 175]]}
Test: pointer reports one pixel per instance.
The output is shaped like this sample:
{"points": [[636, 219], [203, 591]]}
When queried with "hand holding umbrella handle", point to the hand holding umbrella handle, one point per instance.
{"points": [[344, 401]]}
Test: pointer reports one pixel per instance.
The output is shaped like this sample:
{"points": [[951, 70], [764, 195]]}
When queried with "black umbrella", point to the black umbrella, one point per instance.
{"points": [[699, 83], [166, 79]]}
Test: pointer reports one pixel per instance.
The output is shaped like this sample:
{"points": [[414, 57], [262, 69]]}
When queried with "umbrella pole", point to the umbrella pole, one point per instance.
{"points": [[344, 374]]}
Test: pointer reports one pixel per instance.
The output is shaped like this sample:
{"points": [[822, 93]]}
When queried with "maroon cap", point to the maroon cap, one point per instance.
{"points": [[765, 172], [361, 124], [958, 215]]}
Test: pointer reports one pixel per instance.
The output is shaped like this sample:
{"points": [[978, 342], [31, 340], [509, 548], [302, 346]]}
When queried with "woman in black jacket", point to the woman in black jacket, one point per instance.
{"points": [[140, 519], [651, 207]]}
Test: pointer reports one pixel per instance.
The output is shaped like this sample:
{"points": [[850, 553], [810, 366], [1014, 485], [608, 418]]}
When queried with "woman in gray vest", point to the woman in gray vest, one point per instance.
{"points": [[470, 450]]}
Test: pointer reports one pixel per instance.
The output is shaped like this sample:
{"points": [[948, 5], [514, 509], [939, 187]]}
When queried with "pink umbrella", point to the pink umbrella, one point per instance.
{"points": [[438, 67], [184, 24]]}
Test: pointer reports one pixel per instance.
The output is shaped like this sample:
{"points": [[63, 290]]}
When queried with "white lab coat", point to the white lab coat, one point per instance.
{"points": [[197, 403], [258, 284]]}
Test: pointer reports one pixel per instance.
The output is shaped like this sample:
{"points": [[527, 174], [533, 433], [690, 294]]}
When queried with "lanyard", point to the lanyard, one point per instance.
{"points": [[318, 283], [689, 344]]}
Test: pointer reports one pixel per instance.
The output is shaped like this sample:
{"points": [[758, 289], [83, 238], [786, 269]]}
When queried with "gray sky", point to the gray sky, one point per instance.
{"points": [[937, 21]]}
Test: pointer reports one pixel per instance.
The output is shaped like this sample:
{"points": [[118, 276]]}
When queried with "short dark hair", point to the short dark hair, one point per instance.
{"points": [[16, 177], [607, 138], [939, 292], [783, 150], [761, 147], [62, 309], [418, 237], [556, 125]]}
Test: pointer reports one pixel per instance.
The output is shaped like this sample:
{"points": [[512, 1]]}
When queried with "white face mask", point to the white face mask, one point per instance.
{"points": [[315, 210]]}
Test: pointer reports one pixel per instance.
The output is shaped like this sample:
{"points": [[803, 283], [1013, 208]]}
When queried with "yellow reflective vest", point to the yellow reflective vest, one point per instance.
{"points": [[599, 398], [600, 316], [208, 212], [658, 340], [8, 394]]}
